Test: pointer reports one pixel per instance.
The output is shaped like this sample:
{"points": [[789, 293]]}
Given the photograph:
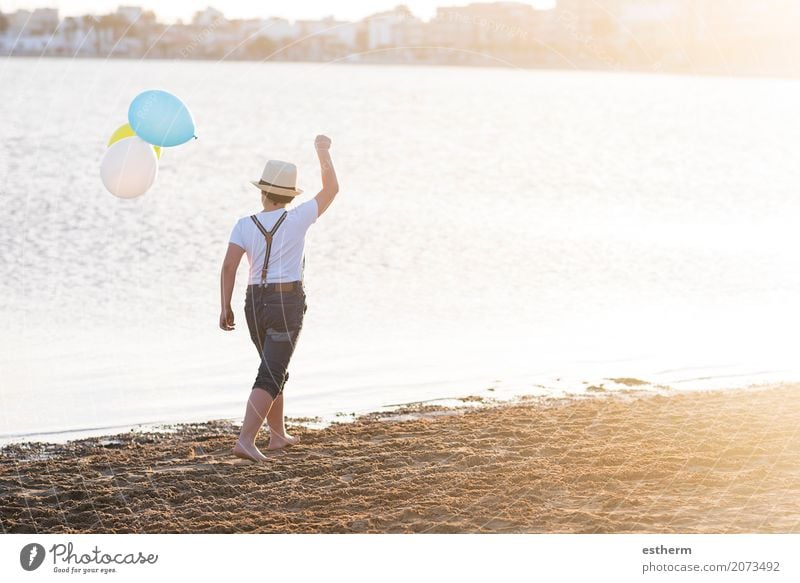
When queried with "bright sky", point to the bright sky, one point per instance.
{"points": [[170, 10]]}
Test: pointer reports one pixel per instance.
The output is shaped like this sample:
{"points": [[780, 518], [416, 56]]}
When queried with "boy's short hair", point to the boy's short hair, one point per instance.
{"points": [[278, 197]]}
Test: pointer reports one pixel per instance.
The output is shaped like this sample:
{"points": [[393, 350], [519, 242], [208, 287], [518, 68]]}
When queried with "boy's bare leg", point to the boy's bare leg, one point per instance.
{"points": [[278, 437], [258, 406]]}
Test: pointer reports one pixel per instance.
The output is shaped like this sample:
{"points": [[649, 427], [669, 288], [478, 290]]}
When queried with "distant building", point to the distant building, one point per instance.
{"points": [[78, 38], [381, 27], [612, 33], [411, 32], [451, 28], [758, 35], [503, 32], [208, 17], [278, 29], [342, 32], [129, 14], [323, 39], [42, 21], [655, 31], [487, 25], [17, 21], [581, 23], [694, 35]]}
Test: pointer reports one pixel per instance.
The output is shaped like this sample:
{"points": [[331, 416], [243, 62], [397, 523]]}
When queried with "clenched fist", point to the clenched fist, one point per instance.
{"points": [[226, 319], [322, 143]]}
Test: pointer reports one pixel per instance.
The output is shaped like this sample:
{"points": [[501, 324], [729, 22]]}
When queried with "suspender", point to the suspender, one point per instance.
{"points": [[268, 237]]}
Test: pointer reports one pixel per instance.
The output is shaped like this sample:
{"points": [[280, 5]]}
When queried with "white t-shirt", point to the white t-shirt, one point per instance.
{"points": [[286, 256]]}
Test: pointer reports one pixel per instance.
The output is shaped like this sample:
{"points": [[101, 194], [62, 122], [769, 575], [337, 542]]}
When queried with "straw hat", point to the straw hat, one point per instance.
{"points": [[278, 178]]}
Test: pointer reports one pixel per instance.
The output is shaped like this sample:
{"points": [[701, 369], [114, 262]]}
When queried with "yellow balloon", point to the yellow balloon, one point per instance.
{"points": [[126, 131]]}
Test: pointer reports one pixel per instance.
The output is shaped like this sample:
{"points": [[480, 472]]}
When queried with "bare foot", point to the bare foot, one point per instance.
{"points": [[248, 452], [278, 441]]}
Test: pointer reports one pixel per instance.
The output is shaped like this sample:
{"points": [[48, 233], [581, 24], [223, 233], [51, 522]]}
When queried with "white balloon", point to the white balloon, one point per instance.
{"points": [[129, 167]]}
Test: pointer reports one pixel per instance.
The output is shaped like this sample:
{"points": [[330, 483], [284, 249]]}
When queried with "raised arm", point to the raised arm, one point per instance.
{"points": [[330, 185], [227, 279]]}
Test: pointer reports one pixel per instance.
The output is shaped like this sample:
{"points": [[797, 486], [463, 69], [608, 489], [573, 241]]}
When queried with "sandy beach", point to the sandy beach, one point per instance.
{"points": [[695, 462]]}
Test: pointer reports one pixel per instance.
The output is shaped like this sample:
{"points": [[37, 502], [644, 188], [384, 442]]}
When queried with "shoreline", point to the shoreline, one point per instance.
{"points": [[560, 389], [685, 71], [624, 461]]}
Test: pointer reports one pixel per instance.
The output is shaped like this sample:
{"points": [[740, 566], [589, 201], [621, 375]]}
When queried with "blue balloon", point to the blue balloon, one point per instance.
{"points": [[160, 118]]}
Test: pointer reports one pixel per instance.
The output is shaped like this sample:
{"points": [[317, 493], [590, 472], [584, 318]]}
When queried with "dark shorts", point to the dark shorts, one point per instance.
{"points": [[274, 319]]}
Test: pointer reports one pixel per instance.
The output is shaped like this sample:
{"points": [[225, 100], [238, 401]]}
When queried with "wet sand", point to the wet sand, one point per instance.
{"points": [[711, 462]]}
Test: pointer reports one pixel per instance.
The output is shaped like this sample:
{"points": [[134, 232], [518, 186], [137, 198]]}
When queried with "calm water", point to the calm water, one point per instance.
{"points": [[521, 231]]}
